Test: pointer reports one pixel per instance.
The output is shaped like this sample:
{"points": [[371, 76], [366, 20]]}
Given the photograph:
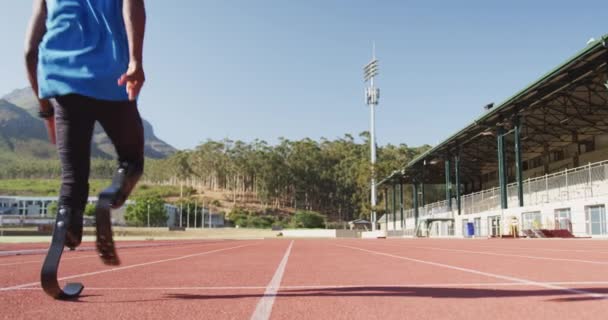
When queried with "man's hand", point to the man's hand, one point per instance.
{"points": [[134, 79], [134, 15], [46, 106]]}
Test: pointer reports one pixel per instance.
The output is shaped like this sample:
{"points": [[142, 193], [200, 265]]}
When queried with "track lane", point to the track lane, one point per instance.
{"points": [[360, 298], [171, 289], [74, 262], [521, 266], [323, 279]]}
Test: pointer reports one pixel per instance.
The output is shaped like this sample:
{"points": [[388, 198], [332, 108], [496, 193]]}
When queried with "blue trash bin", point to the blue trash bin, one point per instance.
{"points": [[470, 229]]}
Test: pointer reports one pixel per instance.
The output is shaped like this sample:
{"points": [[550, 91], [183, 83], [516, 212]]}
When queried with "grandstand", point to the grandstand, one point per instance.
{"points": [[540, 159]]}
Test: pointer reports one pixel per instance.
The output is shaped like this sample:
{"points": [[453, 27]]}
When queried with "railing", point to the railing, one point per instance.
{"points": [[434, 208], [582, 182]]}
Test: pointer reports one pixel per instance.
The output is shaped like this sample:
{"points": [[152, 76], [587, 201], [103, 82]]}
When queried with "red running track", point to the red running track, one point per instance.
{"points": [[321, 279]]}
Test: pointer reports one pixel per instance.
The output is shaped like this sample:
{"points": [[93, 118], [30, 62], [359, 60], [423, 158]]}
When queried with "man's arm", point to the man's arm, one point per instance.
{"points": [[34, 34], [134, 15]]}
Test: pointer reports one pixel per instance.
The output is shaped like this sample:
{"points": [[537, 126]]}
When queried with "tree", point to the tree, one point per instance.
{"points": [[328, 176], [137, 213]]}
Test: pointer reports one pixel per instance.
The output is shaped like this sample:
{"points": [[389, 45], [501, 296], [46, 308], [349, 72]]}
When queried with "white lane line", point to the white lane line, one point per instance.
{"points": [[264, 307], [40, 261], [487, 274], [24, 252], [160, 288], [508, 255], [371, 287], [145, 250], [126, 267], [598, 250]]}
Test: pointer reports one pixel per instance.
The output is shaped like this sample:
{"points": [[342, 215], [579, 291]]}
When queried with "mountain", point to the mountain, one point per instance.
{"points": [[23, 133]]}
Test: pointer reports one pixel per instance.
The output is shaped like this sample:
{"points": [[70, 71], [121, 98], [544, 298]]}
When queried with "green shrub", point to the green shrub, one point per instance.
{"points": [[238, 217], [143, 207], [248, 219], [260, 222], [89, 210], [308, 219], [51, 209]]}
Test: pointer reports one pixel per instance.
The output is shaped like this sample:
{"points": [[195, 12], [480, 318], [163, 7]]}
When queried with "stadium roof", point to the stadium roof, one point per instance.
{"points": [[568, 103]]}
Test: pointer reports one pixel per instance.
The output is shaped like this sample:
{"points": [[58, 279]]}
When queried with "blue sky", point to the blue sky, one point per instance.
{"points": [[266, 69]]}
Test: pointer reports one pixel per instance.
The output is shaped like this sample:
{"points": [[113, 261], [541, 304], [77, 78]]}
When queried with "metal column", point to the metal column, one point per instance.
{"points": [[394, 206], [448, 183], [457, 173], [518, 164], [401, 204], [386, 208], [422, 198], [502, 178], [415, 199]]}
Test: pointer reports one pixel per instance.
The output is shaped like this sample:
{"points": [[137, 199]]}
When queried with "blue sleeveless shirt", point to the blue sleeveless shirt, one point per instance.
{"points": [[84, 50]]}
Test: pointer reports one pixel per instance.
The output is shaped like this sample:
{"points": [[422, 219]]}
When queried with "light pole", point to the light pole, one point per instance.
{"points": [[372, 95]]}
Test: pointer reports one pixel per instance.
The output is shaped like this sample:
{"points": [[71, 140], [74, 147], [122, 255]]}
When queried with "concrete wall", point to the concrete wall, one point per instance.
{"points": [[547, 210], [348, 233], [373, 234], [310, 233]]}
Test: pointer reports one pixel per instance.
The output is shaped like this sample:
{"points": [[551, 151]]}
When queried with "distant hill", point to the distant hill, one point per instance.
{"points": [[22, 133]]}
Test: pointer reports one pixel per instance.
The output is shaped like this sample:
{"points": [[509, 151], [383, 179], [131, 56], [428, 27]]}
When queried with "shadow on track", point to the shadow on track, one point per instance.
{"points": [[425, 292]]}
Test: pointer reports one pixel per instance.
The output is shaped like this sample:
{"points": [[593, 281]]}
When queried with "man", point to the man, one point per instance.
{"points": [[84, 62]]}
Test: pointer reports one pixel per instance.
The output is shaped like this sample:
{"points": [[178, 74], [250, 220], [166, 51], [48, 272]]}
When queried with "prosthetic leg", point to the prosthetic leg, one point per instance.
{"points": [[74, 230], [113, 197], [48, 276]]}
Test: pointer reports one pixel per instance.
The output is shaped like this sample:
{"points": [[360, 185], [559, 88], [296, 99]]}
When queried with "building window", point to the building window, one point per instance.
{"points": [[531, 220], [587, 145], [494, 226], [595, 220], [450, 228], [557, 155], [536, 162], [563, 219]]}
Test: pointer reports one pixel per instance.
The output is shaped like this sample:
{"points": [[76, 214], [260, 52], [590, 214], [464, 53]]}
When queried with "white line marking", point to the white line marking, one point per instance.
{"points": [[487, 274], [264, 306], [598, 250], [362, 286], [145, 250], [126, 267], [512, 255], [24, 252], [40, 261]]}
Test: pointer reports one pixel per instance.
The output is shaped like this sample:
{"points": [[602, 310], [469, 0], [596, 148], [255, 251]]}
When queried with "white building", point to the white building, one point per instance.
{"points": [[27, 208], [539, 161]]}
